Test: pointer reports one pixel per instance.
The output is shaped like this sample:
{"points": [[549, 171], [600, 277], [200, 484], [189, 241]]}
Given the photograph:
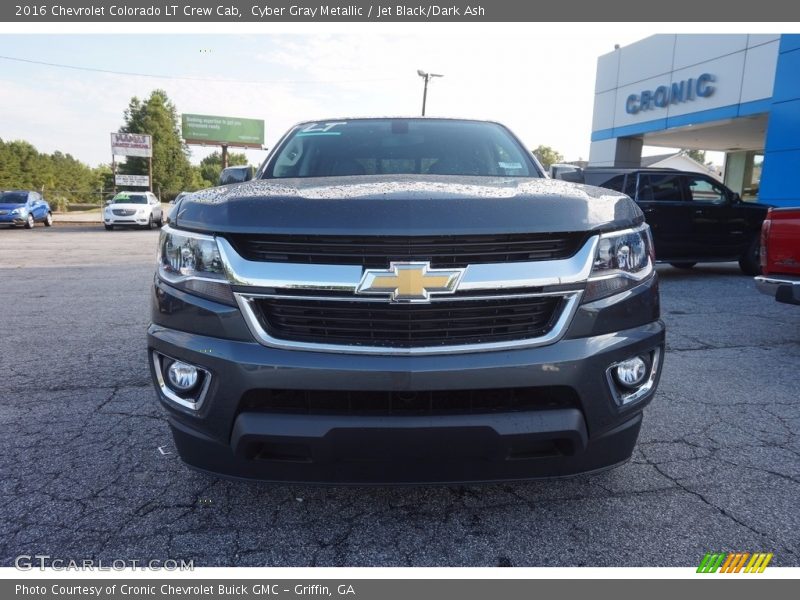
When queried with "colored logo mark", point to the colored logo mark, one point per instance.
{"points": [[734, 562]]}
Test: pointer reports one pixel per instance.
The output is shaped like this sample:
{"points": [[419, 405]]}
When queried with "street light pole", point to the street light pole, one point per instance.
{"points": [[427, 77]]}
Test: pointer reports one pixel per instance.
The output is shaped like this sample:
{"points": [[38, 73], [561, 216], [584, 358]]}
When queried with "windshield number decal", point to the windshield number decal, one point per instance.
{"points": [[321, 129]]}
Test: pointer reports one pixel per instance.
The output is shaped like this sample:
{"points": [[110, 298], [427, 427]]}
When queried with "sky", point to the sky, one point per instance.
{"points": [[539, 84]]}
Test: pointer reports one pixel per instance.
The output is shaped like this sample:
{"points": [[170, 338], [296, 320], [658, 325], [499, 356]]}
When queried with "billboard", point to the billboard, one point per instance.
{"points": [[209, 129], [132, 180], [131, 144]]}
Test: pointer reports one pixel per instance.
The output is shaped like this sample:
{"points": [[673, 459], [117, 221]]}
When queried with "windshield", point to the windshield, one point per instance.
{"points": [[130, 199], [13, 197], [400, 146]]}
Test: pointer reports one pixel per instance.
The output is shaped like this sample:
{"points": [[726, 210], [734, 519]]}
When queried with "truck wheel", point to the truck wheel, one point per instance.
{"points": [[29, 223], [749, 262], [48, 220], [683, 265]]}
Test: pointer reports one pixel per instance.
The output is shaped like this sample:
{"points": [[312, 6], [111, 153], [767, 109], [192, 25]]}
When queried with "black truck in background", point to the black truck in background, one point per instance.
{"points": [[693, 217]]}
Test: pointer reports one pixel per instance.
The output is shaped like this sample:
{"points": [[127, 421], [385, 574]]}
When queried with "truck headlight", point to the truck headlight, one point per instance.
{"points": [[623, 260], [192, 262]]}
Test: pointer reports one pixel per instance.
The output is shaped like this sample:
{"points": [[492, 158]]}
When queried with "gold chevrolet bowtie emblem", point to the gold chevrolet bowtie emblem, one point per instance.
{"points": [[409, 281]]}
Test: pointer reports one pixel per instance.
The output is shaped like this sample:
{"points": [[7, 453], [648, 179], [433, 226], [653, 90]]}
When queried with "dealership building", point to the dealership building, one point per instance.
{"points": [[737, 94]]}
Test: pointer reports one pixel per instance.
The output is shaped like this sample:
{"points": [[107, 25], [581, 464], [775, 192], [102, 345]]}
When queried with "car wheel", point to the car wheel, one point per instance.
{"points": [[29, 223], [48, 220], [749, 262], [683, 265], [109, 227], [160, 222]]}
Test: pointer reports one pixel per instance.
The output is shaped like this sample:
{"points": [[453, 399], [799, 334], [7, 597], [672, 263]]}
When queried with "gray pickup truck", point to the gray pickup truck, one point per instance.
{"points": [[405, 301]]}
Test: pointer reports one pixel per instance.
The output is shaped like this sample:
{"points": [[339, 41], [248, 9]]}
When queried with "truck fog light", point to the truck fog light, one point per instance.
{"points": [[182, 377], [631, 373]]}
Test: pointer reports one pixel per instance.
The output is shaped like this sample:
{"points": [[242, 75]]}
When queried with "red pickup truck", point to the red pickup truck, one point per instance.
{"points": [[780, 255]]}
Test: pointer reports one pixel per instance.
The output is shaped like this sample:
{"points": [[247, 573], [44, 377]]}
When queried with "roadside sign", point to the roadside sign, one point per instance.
{"points": [[132, 180], [131, 144], [233, 131]]}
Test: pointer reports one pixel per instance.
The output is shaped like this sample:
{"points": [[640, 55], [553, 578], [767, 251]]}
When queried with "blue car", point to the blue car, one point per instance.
{"points": [[23, 207]]}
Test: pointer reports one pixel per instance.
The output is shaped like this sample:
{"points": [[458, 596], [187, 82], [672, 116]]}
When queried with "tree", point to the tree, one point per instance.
{"points": [[548, 156], [59, 176], [698, 155], [211, 166], [158, 117]]}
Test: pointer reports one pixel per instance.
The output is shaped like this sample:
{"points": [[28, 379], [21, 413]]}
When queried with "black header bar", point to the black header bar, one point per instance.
{"points": [[316, 11]]}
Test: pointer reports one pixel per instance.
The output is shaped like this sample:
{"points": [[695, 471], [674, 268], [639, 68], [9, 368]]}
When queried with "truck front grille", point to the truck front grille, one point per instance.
{"points": [[441, 323], [377, 251], [408, 402]]}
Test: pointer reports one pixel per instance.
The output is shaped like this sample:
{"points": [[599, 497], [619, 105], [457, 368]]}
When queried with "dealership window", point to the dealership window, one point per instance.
{"points": [[753, 181]]}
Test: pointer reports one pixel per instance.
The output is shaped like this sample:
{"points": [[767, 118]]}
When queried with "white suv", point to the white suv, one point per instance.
{"points": [[140, 209]]}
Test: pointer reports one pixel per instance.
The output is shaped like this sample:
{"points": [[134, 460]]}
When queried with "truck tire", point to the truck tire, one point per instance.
{"points": [[749, 261]]}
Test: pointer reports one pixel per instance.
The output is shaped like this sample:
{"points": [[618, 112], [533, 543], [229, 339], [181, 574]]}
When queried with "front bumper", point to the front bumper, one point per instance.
{"points": [[10, 219], [225, 436], [784, 288], [133, 220]]}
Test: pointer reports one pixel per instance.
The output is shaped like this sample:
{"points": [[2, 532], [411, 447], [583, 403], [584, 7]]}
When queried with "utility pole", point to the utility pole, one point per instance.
{"points": [[426, 77]]}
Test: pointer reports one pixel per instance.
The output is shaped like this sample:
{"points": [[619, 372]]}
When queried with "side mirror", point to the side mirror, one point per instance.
{"points": [[736, 198], [236, 175]]}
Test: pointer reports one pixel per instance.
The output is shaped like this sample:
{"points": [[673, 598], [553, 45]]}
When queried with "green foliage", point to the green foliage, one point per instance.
{"points": [[211, 166], [64, 179], [548, 156], [698, 155], [59, 176], [157, 116]]}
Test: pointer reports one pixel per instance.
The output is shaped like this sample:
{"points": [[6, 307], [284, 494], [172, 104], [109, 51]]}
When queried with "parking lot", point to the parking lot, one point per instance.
{"points": [[89, 470]]}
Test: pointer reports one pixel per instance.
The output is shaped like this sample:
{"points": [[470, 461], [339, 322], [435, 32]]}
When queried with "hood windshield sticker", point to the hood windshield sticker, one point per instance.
{"points": [[321, 129], [509, 165]]}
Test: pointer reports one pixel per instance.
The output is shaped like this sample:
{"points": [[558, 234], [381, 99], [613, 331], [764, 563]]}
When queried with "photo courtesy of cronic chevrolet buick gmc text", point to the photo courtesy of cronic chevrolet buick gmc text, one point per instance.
{"points": [[405, 301]]}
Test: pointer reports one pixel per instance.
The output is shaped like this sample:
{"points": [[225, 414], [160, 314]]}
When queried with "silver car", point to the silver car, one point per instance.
{"points": [[133, 209]]}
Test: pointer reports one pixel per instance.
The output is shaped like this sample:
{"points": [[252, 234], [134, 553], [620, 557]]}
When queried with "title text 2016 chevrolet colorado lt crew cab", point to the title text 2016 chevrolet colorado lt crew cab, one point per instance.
{"points": [[405, 300]]}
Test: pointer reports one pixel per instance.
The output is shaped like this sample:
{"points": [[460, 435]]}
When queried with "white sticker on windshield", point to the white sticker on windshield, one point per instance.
{"points": [[508, 165], [321, 129]]}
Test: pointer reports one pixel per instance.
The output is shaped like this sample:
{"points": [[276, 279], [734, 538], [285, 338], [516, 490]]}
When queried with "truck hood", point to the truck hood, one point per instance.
{"points": [[405, 205]]}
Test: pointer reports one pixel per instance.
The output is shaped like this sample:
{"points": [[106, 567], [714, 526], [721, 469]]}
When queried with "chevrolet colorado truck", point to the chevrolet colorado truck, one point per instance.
{"points": [[398, 301], [780, 255]]}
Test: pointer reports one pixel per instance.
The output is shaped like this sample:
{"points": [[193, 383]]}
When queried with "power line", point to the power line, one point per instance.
{"points": [[186, 78]]}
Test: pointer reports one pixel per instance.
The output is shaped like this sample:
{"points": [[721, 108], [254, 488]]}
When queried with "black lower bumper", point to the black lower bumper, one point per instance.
{"points": [[408, 450], [290, 416]]}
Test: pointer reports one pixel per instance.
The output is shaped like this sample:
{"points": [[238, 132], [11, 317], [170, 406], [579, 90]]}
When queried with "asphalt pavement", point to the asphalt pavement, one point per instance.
{"points": [[89, 469]]}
